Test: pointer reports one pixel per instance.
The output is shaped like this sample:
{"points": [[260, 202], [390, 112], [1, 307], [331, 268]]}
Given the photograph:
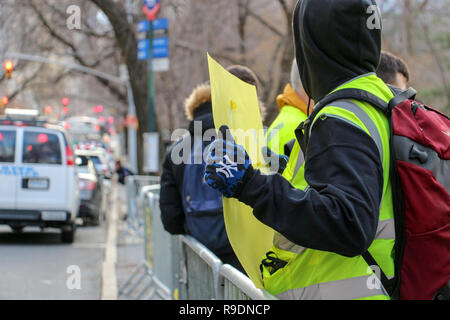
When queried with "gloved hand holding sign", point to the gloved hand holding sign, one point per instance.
{"points": [[276, 162], [228, 165]]}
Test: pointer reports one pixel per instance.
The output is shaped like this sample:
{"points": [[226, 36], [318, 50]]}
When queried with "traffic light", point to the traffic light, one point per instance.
{"points": [[9, 68], [4, 101], [65, 102]]}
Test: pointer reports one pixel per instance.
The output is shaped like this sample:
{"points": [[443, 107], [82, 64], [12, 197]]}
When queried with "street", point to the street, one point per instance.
{"points": [[35, 264]]}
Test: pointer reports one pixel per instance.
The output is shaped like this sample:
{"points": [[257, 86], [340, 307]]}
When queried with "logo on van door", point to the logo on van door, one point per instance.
{"points": [[18, 171]]}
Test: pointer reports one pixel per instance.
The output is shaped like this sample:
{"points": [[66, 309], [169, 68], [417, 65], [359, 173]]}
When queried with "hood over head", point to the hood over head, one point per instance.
{"points": [[334, 43]]}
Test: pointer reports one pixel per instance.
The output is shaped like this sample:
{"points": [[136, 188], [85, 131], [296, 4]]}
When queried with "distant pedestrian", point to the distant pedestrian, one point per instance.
{"points": [[122, 172]]}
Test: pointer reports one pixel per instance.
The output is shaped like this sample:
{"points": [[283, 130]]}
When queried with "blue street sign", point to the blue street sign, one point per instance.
{"points": [[162, 52], [162, 42], [143, 49], [143, 45], [150, 3], [159, 24], [143, 55], [143, 26], [160, 48]]}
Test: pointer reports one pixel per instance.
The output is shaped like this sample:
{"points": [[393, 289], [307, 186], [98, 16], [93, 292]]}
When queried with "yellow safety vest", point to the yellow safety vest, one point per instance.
{"points": [[315, 274], [283, 128]]}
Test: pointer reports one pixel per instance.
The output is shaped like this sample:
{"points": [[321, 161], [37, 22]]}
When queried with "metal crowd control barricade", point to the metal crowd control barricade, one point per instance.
{"points": [[180, 267], [152, 279], [237, 286], [135, 216], [200, 272]]}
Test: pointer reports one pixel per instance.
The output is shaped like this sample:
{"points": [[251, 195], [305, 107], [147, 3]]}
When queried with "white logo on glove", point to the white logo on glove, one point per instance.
{"points": [[225, 169]]}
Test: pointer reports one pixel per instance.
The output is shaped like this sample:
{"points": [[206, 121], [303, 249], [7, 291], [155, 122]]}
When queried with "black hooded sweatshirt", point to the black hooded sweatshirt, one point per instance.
{"points": [[340, 211]]}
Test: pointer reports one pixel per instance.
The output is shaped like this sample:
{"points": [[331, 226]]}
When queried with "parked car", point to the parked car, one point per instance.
{"points": [[99, 160], [92, 195], [39, 184]]}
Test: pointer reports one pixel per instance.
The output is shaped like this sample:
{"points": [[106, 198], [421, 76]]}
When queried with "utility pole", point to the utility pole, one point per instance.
{"points": [[151, 9], [151, 83]]}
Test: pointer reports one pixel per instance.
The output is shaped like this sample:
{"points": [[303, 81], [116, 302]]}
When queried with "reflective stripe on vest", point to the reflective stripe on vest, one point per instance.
{"points": [[347, 289], [386, 228], [385, 231], [365, 119], [352, 287]]}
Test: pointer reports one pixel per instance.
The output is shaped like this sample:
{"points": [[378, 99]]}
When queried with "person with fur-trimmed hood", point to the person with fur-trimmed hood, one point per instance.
{"points": [[188, 205]]}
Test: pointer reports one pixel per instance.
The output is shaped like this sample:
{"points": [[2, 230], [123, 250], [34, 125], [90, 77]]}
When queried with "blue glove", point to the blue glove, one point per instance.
{"points": [[276, 162], [228, 165]]}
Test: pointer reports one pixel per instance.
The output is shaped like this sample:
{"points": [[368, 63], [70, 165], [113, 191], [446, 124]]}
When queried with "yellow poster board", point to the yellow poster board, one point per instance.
{"points": [[235, 103]]}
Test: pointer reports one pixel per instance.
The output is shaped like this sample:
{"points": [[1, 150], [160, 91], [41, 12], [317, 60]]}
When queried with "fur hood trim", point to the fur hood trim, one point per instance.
{"points": [[199, 95]]}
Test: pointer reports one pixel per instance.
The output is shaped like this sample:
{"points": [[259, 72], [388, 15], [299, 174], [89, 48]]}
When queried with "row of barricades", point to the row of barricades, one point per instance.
{"points": [[177, 267]]}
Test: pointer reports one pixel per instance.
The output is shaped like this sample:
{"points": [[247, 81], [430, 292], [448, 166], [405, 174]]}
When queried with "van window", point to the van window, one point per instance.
{"points": [[7, 145], [39, 147]]}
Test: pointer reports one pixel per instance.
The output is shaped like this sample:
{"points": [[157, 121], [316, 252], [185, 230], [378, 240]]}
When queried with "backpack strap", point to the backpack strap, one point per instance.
{"points": [[368, 97], [356, 94], [386, 108], [408, 94]]}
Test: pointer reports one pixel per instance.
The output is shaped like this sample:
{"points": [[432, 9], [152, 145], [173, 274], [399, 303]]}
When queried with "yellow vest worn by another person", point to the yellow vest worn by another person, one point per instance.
{"points": [[293, 111], [314, 274]]}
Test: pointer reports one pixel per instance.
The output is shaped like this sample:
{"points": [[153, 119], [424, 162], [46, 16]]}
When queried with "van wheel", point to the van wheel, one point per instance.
{"points": [[68, 234]]}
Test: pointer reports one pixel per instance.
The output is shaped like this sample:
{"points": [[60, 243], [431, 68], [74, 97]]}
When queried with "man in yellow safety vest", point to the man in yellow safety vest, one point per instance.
{"points": [[335, 210]]}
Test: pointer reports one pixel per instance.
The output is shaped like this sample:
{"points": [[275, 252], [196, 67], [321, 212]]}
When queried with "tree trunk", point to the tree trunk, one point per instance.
{"points": [[137, 69]]}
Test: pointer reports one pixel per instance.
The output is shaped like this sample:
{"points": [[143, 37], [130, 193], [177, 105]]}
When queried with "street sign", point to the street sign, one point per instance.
{"points": [[151, 8], [150, 3], [143, 49], [143, 26], [143, 44], [160, 48], [162, 52], [159, 24], [151, 152], [162, 42], [161, 64]]}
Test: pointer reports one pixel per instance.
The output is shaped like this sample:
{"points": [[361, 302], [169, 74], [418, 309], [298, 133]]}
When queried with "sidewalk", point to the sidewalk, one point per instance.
{"points": [[129, 254]]}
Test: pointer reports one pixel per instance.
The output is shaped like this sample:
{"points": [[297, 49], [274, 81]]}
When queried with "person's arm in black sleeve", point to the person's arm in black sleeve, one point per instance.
{"points": [[172, 214], [340, 210]]}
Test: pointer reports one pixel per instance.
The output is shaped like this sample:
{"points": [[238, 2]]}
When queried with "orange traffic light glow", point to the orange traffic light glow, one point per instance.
{"points": [[9, 66]]}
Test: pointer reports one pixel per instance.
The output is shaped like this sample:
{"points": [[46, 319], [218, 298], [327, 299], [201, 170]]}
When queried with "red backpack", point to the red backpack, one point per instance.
{"points": [[420, 177]]}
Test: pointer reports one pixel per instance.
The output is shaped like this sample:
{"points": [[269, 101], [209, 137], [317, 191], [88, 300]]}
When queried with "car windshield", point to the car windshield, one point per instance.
{"points": [[39, 147], [7, 145]]}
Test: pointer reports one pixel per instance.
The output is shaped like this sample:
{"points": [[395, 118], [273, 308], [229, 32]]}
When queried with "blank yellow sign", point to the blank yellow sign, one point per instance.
{"points": [[235, 103]]}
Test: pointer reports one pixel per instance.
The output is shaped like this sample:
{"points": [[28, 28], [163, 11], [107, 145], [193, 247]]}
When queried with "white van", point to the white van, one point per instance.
{"points": [[38, 180]]}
